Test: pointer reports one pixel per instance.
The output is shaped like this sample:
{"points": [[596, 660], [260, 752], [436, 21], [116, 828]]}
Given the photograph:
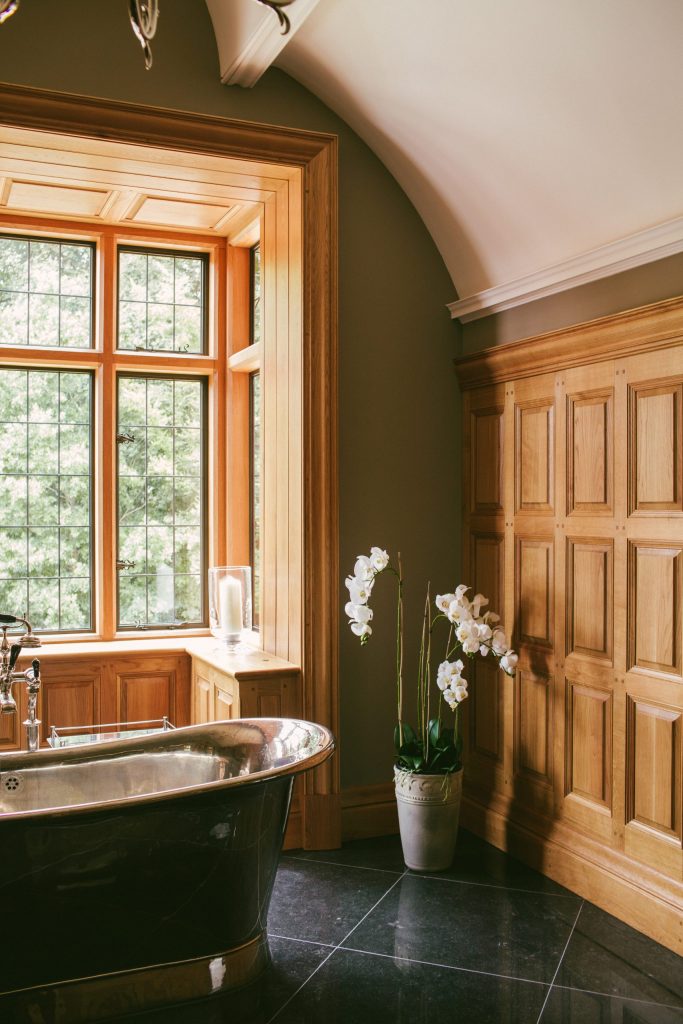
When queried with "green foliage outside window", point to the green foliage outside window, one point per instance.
{"points": [[160, 501], [45, 293], [45, 512]]}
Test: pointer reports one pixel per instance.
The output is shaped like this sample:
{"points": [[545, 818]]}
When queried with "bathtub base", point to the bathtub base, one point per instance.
{"points": [[108, 996]]}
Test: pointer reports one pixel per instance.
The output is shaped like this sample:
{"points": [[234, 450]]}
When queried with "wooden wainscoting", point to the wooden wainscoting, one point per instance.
{"points": [[573, 527]]}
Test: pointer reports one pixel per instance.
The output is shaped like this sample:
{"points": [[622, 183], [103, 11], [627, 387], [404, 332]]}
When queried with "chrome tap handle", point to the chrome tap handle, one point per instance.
{"points": [[34, 680]]}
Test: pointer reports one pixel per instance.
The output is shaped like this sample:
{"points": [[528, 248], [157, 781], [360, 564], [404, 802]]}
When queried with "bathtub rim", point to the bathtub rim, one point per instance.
{"points": [[108, 750]]}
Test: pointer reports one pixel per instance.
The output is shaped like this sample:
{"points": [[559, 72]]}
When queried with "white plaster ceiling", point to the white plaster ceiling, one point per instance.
{"points": [[527, 133]]}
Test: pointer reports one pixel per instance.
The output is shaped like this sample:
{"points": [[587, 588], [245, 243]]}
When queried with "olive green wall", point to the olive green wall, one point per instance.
{"points": [[398, 394], [640, 286]]}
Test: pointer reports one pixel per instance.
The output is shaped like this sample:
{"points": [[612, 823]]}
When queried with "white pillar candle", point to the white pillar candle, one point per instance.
{"points": [[230, 603]]}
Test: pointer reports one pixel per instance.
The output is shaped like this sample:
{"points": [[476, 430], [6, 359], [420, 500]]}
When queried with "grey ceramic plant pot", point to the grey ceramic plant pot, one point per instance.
{"points": [[428, 813]]}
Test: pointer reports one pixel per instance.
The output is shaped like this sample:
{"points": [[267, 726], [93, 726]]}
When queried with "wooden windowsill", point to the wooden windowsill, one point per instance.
{"points": [[243, 665]]}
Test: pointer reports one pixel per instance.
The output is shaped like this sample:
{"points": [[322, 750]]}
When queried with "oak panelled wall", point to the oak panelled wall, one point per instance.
{"points": [[574, 530]]}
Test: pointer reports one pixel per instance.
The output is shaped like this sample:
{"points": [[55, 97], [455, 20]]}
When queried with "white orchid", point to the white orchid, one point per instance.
{"points": [[361, 629], [473, 630], [508, 662], [379, 559], [359, 591], [363, 570]]}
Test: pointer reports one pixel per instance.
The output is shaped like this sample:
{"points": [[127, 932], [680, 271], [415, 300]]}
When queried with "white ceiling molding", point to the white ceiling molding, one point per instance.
{"points": [[249, 36], [634, 251]]}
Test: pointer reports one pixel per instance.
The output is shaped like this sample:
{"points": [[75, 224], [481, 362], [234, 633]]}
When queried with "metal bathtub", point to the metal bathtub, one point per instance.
{"points": [[138, 872]]}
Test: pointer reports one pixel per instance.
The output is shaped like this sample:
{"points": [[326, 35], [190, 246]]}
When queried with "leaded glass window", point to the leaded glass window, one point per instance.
{"points": [[45, 482], [161, 501], [162, 301], [46, 292]]}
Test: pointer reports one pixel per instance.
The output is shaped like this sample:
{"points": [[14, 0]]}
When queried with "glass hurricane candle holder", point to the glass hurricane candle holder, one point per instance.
{"points": [[230, 603]]}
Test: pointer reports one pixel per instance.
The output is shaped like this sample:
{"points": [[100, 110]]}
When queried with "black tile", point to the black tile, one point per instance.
{"points": [[357, 988], [292, 963], [605, 955], [479, 862], [322, 902], [568, 1006], [384, 853], [501, 931]]}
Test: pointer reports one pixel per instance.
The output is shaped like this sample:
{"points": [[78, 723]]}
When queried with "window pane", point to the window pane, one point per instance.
{"points": [[46, 292], [161, 500], [45, 513], [162, 301], [256, 304], [255, 511]]}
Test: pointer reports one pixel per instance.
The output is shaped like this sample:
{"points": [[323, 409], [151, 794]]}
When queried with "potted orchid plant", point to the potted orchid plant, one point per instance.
{"points": [[428, 768]]}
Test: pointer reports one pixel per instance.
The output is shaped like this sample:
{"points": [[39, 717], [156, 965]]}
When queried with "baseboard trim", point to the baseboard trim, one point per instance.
{"points": [[646, 900], [369, 811], [634, 893]]}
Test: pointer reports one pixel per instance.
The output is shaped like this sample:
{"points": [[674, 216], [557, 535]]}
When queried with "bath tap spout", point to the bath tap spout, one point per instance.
{"points": [[32, 677]]}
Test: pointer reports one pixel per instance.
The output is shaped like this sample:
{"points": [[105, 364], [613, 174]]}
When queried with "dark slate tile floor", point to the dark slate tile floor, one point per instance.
{"points": [[357, 939]]}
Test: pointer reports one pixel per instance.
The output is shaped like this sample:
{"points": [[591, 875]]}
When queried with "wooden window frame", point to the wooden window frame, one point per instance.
{"points": [[107, 363], [301, 557]]}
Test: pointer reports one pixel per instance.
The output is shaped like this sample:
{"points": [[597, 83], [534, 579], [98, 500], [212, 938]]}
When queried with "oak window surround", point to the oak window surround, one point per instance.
{"points": [[298, 195]]}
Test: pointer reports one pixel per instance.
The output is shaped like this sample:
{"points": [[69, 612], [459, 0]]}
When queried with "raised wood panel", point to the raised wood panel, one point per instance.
{"points": [[655, 577], [656, 446], [269, 698], [589, 598], [70, 701], [486, 460], [588, 744], [534, 572], [590, 453], [147, 695], [202, 698], [486, 567], [534, 456], [11, 730], [533, 726], [224, 704], [487, 710], [653, 779]]}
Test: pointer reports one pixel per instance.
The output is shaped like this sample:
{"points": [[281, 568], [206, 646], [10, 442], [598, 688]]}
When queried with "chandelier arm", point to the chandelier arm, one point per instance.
{"points": [[144, 15], [276, 6], [7, 9]]}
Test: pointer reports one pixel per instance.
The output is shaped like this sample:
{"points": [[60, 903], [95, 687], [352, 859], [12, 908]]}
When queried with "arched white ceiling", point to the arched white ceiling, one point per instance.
{"points": [[525, 132]]}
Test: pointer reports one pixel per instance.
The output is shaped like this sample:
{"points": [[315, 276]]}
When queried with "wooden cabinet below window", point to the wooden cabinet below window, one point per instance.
{"points": [[94, 691]]}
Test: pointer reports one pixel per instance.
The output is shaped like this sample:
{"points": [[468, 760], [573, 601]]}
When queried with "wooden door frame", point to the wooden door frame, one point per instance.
{"points": [[315, 155]]}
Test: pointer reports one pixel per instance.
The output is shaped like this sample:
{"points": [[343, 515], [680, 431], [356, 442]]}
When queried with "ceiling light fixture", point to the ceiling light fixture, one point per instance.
{"points": [[144, 15]]}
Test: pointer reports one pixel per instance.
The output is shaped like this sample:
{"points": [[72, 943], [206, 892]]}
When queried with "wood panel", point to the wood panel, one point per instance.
{"points": [[534, 456], [486, 460], [588, 744], [146, 695], [589, 598], [654, 607], [72, 700], [590, 453], [534, 591], [269, 698], [653, 775], [11, 731], [486, 567], [655, 446], [590, 786], [533, 726], [487, 711]]}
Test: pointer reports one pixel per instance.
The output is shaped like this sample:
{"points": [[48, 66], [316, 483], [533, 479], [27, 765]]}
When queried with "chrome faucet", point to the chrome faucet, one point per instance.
{"points": [[9, 653]]}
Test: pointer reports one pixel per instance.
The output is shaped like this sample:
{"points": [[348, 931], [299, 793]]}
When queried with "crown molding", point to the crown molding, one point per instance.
{"points": [[634, 251], [250, 54]]}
